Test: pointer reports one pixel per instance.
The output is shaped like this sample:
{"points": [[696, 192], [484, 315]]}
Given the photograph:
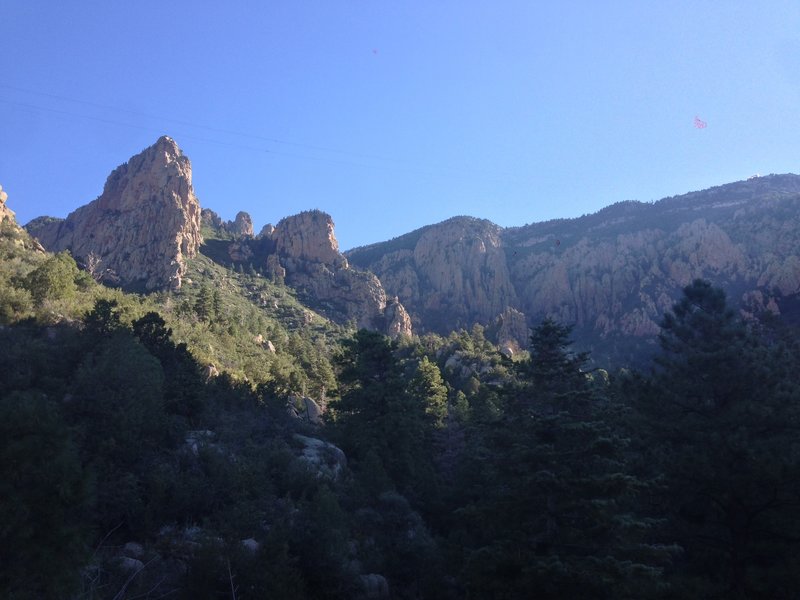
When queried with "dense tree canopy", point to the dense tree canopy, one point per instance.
{"points": [[457, 472]]}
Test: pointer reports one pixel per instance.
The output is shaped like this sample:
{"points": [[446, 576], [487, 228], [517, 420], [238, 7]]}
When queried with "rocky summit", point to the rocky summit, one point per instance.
{"points": [[306, 253], [142, 228], [240, 227]]}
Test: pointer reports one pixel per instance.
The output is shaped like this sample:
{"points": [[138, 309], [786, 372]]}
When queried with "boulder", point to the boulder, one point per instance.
{"points": [[196, 439], [210, 372], [374, 586], [133, 550], [128, 564], [327, 460]]}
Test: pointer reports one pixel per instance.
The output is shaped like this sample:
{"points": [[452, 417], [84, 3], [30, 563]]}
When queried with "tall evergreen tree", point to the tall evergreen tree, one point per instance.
{"points": [[44, 499], [427, 386], [183, 387], [204, 304], [376, 413], [722, 415], [557, 521], [554, 373]]}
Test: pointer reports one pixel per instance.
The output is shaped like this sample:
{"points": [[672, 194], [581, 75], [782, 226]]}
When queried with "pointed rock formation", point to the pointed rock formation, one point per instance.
{"points": [[510, 331], [211, 219], [308, 237], [5, 212], [398, 322], [308, 256], [242, 226], [144, 225], [11, 230], [266, 231]]}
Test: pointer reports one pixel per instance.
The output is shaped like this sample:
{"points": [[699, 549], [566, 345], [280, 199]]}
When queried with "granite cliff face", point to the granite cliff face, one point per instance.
{"points": [[304, 251], [613, 273], [308, 238], [452, 274], [144, 225]]}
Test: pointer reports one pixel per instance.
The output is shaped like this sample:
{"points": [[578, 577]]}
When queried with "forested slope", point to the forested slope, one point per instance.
{"points": [[440, 469]]}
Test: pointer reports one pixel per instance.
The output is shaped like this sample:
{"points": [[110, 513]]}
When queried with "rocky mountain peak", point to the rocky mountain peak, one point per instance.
{"points": [[243, 225], [266, 231], [144, 224], [306, 253], [309, 236], [240, 227]]}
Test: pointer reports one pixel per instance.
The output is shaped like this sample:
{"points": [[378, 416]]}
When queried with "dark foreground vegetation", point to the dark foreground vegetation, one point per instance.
{"points": [[128, 472]]}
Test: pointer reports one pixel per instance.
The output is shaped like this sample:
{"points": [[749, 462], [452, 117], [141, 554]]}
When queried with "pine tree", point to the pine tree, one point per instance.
{"points": [[104, 319], [183, 387], [557, 521], [44, 499], [204, 304], [377, 414], [427, 386], [553, 372], [722, 415]]}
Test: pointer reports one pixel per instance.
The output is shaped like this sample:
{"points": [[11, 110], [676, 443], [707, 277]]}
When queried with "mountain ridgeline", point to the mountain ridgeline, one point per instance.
{"points": [[612, 274]]}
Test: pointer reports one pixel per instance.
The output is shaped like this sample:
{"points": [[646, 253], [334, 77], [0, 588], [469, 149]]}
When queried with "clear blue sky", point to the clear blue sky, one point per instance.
{"points": [[394, 115]]}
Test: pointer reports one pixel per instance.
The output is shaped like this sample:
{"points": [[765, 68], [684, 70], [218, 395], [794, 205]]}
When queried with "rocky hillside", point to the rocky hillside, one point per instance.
{"points": [[142, 228], [309, 253], [147, 223], [612, 273], [303, 252]]}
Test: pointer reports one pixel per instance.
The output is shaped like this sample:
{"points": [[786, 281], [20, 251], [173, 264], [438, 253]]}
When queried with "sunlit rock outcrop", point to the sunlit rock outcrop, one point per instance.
{"points": [[144, 225]]}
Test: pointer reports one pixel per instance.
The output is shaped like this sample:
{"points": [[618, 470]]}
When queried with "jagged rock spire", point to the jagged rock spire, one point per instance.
{"points": [[144, 225]]}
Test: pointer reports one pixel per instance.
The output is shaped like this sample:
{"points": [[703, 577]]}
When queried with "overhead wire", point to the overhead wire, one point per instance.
{"points": [[398, 164], [203, 139], [190, 124]]}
